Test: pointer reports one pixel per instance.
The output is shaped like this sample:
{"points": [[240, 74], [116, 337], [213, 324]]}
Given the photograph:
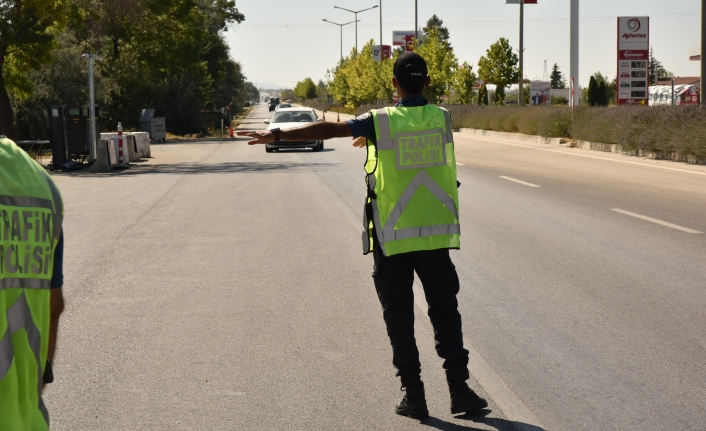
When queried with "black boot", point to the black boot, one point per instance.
{"points": [[464, 400], [414, 404]]}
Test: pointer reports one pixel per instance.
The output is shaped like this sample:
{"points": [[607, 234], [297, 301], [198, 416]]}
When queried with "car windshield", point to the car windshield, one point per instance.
{"points": [[293, 117]]}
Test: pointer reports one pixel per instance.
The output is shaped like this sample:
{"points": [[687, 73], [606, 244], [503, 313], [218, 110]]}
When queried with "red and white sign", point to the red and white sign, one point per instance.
{"points": [[382, 52], [633, 60], [409, 43], [398, 37]]}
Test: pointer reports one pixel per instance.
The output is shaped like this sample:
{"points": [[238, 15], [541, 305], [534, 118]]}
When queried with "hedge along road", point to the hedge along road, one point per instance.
{"points": [[220, 287]]}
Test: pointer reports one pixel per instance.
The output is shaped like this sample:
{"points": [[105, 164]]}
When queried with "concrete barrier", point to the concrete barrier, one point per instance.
{"points": [[143, 143], [103, 162], [130, 143]]}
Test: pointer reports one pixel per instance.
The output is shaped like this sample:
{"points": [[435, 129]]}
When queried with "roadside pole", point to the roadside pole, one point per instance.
{"points": [[92, 103], [521, 96], [703, 49], [575, 50], [380, 22], [416, 33]]}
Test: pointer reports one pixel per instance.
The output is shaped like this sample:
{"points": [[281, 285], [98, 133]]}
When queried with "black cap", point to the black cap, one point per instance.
{"points": [[410, 69]]}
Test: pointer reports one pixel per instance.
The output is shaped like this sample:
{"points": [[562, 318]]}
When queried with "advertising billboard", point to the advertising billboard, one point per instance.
{"points": [[540, 93], [633, 60], [382, 52], [399, 38]]}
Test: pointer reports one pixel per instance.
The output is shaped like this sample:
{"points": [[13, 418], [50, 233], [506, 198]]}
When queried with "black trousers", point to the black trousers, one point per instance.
{"points": [[394, 277]]}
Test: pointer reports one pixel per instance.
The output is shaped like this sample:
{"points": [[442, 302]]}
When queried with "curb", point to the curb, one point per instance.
{"points": [[513, 136]]}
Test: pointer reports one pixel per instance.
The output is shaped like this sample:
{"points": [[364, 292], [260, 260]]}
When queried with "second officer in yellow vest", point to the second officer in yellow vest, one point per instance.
{"points": [[411, 222]]}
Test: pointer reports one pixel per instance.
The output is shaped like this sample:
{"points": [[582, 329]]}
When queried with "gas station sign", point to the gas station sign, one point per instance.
{"points": [[633, 60]]}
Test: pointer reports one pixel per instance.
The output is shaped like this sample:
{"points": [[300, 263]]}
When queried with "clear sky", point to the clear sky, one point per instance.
{"points": [[284, 41]]}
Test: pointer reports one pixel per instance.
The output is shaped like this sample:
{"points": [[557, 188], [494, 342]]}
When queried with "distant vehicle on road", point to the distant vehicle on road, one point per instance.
{"points": [[287, 118], [283, 105], [274, 101]]}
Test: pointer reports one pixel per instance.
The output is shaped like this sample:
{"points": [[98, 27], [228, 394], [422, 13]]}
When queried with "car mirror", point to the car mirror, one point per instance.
{"points": [[266, 121]]}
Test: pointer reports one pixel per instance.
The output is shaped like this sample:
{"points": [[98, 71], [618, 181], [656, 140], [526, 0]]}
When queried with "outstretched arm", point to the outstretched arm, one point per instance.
{"points": [[311, 132]]}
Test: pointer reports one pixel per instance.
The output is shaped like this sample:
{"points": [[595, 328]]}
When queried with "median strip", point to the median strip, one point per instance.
{"points": [[519, 181], [654, 220]]}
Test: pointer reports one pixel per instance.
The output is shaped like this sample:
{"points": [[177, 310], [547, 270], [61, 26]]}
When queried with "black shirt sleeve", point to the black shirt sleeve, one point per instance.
{"points": [[363, 125], [57, 278]]}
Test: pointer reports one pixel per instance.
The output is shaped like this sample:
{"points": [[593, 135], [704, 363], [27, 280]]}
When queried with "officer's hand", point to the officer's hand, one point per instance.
{"points": [[258, 137], [360, 142]]}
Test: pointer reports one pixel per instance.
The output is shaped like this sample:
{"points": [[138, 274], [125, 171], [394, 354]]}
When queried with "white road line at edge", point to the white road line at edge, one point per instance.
{"points": [[518, 181], [505, 398], [579, 155], [654, 220]]}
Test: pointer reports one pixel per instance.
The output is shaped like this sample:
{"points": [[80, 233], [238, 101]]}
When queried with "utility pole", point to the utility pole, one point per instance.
{"points": [[521, 96], [703, 49], [380, 5], [416, 25], [92, 102], [574, 71]]}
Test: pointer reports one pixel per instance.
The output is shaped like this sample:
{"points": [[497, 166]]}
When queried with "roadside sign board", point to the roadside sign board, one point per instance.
{"points": [[633, 60], [540, 93], [382, 52], [398, 37], [409, 43]]}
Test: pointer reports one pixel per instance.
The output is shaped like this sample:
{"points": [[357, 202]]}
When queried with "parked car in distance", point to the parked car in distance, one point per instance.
{"points": [[287, 118], [274, 101]]}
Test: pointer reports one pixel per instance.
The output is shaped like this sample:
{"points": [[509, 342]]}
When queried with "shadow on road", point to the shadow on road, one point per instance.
{"points": [[481, 418], [212, 168]]}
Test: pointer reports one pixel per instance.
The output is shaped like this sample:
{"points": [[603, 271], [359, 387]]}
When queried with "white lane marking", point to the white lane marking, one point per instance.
{"points": [[504, 397], [460, 164], [585, 155], [518, 181], [654, 220]]}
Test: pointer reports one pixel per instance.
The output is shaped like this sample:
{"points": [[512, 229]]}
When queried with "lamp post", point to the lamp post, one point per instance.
{"points": [[92, 101], [341, 26], [416, 33], [574, 31], [521, 95], [355, 12], [381, 21]]}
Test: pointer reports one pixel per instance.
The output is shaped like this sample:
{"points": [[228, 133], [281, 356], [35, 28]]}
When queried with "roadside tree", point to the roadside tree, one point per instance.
{"points": [[441, 64], [305, 89], [557, 78], [463, 81], [27, 41], [436, 23], [499, 66]]}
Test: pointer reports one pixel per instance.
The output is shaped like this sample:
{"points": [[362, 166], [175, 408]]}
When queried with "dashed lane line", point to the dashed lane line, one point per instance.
{"points": [[519, 181], [654, 220]]}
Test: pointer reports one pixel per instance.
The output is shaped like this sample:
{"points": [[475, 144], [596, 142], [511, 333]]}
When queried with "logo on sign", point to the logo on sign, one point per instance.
{"points": [[625, 74], [634, 24], [631, 54]]}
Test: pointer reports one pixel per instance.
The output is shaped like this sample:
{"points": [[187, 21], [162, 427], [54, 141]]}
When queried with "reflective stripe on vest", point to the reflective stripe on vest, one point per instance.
{"points": [[20, 316], [412, 150]]}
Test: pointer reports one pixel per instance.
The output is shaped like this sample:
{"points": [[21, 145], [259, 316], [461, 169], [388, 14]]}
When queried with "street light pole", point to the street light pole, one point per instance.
{"points": [[380, 5], [92, 102], [521, 95], [574, 71], [355, 12], [341, 26], [703, 50], [416, 25]]}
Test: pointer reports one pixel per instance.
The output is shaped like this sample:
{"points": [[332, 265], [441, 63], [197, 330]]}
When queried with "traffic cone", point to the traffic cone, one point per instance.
{"points": [[230, 130]]}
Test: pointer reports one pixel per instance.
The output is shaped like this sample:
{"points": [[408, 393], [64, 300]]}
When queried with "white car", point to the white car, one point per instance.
{"points": [[288, 118], [283, 105]]}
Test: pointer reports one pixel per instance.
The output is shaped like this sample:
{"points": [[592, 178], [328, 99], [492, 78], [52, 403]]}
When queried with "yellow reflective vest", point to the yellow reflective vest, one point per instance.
{"points": [[31, 212], [412, 201]]}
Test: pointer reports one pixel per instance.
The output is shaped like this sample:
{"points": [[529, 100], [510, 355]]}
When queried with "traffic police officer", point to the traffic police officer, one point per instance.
{"points": [[31, 248], [411, 222]]}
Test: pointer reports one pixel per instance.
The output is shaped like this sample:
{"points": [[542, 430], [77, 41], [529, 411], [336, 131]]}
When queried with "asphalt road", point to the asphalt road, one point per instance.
{"points": [[216, 286]]}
